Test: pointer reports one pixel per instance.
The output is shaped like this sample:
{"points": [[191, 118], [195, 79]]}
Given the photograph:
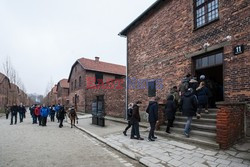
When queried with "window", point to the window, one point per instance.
{"points": [[98, 78], [75, 84], [80, 81], [72, 86], [208, 61], [151, 89], [75, 69], [206, 11]]}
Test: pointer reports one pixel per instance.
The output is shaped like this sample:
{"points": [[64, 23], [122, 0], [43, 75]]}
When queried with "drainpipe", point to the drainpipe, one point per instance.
{"points": [[126, 104]]}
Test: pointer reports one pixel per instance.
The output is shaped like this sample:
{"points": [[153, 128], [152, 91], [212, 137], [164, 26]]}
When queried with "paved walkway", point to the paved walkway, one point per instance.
{"points": [[164, 152]]}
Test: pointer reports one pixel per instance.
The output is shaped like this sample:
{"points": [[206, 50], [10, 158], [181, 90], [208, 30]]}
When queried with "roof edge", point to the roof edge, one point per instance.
{"points": [[124, 32]]}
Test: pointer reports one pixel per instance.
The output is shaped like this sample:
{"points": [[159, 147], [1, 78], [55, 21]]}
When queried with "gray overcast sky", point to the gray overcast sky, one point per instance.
{"points": [[43, 38]]}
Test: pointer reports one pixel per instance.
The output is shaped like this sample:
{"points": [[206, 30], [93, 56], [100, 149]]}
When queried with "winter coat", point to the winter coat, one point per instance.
{"points": [[129, 113], [14, 109], [22, 109], [61, 113], [202, 95], [170, 108], [37, 111], [188, 104], [52, 111], [194, 85], [183, 87], [152, 111], [57, 108], [44, 111], [135, 114]]}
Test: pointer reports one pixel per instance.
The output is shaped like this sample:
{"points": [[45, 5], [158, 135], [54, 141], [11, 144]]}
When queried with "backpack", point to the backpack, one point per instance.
{"points": [[72, 113], [129, 113]]}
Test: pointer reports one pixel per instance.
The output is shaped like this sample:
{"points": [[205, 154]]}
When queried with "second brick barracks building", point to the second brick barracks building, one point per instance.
{"points": [[212, 37], [89, 81]]}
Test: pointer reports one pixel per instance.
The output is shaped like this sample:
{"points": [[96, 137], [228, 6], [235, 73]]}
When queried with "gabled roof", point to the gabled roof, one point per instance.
{"points": [[2, 77], [134, 23], [63, 83], [14, 88], [99, 66], [54, 90]]}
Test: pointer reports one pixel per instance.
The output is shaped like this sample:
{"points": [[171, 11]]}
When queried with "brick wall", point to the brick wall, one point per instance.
{"points": [[248, 120], [230, 123], [114, 99], [159, 45]]}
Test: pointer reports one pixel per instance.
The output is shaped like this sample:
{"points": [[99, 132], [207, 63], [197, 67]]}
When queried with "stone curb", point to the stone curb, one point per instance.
{"points": [[119, 149]]}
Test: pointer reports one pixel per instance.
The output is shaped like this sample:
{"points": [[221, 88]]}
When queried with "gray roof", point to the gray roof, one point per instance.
{"points": [[134, 23]]}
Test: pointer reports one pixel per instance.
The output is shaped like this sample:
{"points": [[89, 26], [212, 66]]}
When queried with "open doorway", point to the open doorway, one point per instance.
{"points": [[211, 65]]}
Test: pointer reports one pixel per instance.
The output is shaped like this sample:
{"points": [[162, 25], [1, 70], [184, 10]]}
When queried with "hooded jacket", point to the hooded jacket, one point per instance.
{"points": [[170, 108], [189, 104], [152, 111], [44, 111]]}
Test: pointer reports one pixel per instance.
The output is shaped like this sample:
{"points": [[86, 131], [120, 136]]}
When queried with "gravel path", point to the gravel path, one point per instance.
{"points": [[27, 145]]}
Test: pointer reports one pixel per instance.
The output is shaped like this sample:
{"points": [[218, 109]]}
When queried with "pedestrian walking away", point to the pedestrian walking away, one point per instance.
{"points": [[152, 111], [52, 113], [61, 116], [135, 119], [202, 95], [7, 111], [129, 115], [188, 106], [14, 111], [170, 110]]}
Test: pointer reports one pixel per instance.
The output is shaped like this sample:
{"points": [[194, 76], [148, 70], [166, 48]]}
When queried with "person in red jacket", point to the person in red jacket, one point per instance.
{"points": [[38, 114]]}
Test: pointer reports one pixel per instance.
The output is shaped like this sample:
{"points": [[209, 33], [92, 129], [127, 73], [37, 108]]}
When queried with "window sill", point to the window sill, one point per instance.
{"points": [[195, 29]]}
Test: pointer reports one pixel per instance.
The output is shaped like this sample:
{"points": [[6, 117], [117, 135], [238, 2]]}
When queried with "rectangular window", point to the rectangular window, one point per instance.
{"points": [[151, 89], [98, 78], [206, 11], [208, 61]]}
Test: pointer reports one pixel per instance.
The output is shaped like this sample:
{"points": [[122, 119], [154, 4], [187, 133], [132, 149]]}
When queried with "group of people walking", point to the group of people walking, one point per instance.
{"points": [[13, 111], [189, 99]]}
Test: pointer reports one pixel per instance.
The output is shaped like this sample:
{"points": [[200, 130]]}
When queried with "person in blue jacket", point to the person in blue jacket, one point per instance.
{"points": [[57, 108], [44, 114]]}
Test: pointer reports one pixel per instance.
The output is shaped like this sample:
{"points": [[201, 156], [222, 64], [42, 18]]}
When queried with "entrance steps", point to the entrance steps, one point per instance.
{"points": [[203, 130]]}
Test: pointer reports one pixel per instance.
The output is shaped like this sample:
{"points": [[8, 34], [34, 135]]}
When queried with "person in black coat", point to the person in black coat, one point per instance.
{"points": [[188, 107], [61, 116], [129, 115], [14, 109], [135, 119], [202, 95], [152, 111], [170, 110]]}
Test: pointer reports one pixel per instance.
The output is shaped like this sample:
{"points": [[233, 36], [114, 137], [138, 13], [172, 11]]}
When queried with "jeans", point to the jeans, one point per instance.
{"points": [[52, 117], [34, 119], [40, 119], [188, 124], [135, 130], [152, 130], [13, 115]]}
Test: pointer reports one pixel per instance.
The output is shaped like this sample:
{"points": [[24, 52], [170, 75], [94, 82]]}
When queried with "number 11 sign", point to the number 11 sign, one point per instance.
{"points": [[238, 49]]}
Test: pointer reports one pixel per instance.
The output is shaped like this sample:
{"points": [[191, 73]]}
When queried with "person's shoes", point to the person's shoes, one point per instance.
{"points": [[150, 139], [132, 137], [186, 134], [168, 132], [206, 111], [11, 124], [198, 116], [154, 137], [124, 133], [139, 138]]}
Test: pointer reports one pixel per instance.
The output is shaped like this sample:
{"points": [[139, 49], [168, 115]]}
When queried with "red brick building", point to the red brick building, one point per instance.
{"points": [[210, 37], [63, 92], [87, 73], [4, 90]]}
